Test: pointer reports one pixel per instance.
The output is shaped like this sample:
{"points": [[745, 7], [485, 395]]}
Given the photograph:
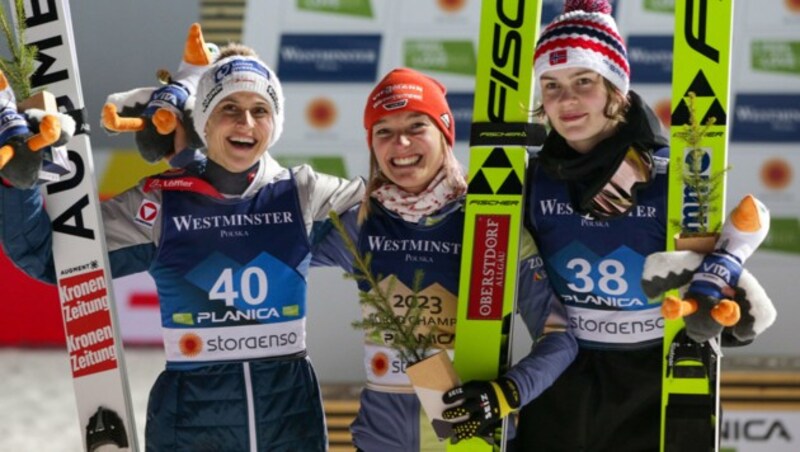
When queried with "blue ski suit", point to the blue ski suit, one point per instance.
{"points": [[231, 278], [609, 398]]}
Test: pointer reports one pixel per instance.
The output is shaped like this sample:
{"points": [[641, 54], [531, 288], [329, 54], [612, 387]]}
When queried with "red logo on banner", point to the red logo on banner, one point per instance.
{"points": [[191, 345], [489, 256], [87, 322], [380, 364], [776, 173], [321, 113]]}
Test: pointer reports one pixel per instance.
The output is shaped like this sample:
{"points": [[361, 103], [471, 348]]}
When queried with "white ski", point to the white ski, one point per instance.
{"points": [[79, 249]]}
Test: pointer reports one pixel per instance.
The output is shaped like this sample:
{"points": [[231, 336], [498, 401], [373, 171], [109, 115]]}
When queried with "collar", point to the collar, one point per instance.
{"points": [[414, 207], [268, 171]]}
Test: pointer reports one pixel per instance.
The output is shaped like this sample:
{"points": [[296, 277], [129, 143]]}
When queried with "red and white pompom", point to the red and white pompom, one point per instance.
{"points": [[590, 6]]}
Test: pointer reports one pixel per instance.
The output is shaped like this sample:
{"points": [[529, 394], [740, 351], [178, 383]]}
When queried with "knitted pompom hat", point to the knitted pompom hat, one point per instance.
{"points": [[232, 75], [585, 36], [405, 89]]}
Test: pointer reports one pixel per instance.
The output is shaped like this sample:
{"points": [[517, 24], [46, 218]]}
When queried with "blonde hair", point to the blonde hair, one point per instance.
{"points": [[452, 169], [236, 49]]}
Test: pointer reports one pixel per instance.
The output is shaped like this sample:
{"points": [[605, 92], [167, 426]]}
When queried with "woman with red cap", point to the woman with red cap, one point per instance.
{"points": [[411, 218]]}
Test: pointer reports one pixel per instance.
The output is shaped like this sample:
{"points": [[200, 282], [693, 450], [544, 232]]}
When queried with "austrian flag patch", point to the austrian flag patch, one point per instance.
{"points": [[147, 213]]}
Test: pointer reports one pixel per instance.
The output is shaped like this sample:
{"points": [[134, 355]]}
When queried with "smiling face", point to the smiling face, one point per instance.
{"points": [[409, 149], [574, 100], [238, 131]]}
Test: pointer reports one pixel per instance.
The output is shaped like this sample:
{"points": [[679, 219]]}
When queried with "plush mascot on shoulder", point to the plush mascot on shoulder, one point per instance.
{"points": [[25, 138], [719, 295], [153, 112]]}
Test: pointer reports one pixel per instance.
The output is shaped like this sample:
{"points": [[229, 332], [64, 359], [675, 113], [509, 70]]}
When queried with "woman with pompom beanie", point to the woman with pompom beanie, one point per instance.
{"points": [[596, 206]]}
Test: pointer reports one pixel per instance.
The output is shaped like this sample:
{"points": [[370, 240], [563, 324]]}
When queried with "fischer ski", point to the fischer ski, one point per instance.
{"points": [[84, 281], [502, 127], [701, 65]]}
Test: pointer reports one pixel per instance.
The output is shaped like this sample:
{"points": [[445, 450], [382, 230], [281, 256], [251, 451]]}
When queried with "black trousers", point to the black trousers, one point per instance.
{"points": [[605, 401]]}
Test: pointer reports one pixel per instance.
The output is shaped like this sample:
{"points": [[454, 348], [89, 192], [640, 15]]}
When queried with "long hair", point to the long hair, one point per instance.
{"points": [[454, 176]]}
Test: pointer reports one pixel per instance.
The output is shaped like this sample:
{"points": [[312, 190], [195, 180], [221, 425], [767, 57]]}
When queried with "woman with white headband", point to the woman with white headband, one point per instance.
{"points": [[229, 248]]}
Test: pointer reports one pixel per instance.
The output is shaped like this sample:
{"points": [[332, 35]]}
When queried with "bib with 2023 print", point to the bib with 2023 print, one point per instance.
{"points": [[231, 275], [437, 318], [399, 249]]}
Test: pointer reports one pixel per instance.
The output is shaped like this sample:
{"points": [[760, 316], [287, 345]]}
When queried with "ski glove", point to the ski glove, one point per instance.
{"points": [[153, 113], [26, 140], [485, 402]]}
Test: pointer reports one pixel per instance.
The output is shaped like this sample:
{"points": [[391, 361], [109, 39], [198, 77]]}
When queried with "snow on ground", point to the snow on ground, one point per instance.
{"points": [[37, 403]]}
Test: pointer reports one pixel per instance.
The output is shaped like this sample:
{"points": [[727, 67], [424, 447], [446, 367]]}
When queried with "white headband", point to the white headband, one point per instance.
{"points": [[235, 74]]}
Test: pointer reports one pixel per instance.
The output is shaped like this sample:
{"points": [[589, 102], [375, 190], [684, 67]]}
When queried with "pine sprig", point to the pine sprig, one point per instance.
{"points": [[706, 188], [410, 345], [20, 67]]}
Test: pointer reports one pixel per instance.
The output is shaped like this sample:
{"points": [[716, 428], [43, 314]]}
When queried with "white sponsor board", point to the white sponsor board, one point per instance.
{"points": [[760, 431]]}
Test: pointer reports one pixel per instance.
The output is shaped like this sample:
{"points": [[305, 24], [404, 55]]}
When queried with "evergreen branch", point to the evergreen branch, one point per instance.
{"points": [[705, 188], [409, 345], [22, 64]]}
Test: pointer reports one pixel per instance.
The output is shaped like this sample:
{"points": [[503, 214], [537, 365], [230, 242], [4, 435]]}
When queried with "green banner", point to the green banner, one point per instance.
{"points": [[659, 6], [357, 8], [776, 56], [784, 236], [333, 165], [454, 57]]}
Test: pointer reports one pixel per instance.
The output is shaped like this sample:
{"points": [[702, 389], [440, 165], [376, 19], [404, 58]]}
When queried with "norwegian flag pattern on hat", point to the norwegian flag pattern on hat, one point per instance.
{"points": [[585, 35]]}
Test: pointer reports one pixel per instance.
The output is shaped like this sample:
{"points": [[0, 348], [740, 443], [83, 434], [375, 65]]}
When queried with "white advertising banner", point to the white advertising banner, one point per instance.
{"points": [[760, 431]]}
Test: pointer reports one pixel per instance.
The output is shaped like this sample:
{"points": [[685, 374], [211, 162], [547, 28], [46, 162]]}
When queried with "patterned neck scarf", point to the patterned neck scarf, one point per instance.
{"points": [[412, 207]]}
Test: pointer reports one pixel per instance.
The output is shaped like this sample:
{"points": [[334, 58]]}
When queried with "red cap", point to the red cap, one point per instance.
{"points": [[405, 89]]}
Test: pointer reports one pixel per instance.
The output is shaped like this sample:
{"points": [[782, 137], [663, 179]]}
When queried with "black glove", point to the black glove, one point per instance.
{"points": [[485, 402], [24, 139]]}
